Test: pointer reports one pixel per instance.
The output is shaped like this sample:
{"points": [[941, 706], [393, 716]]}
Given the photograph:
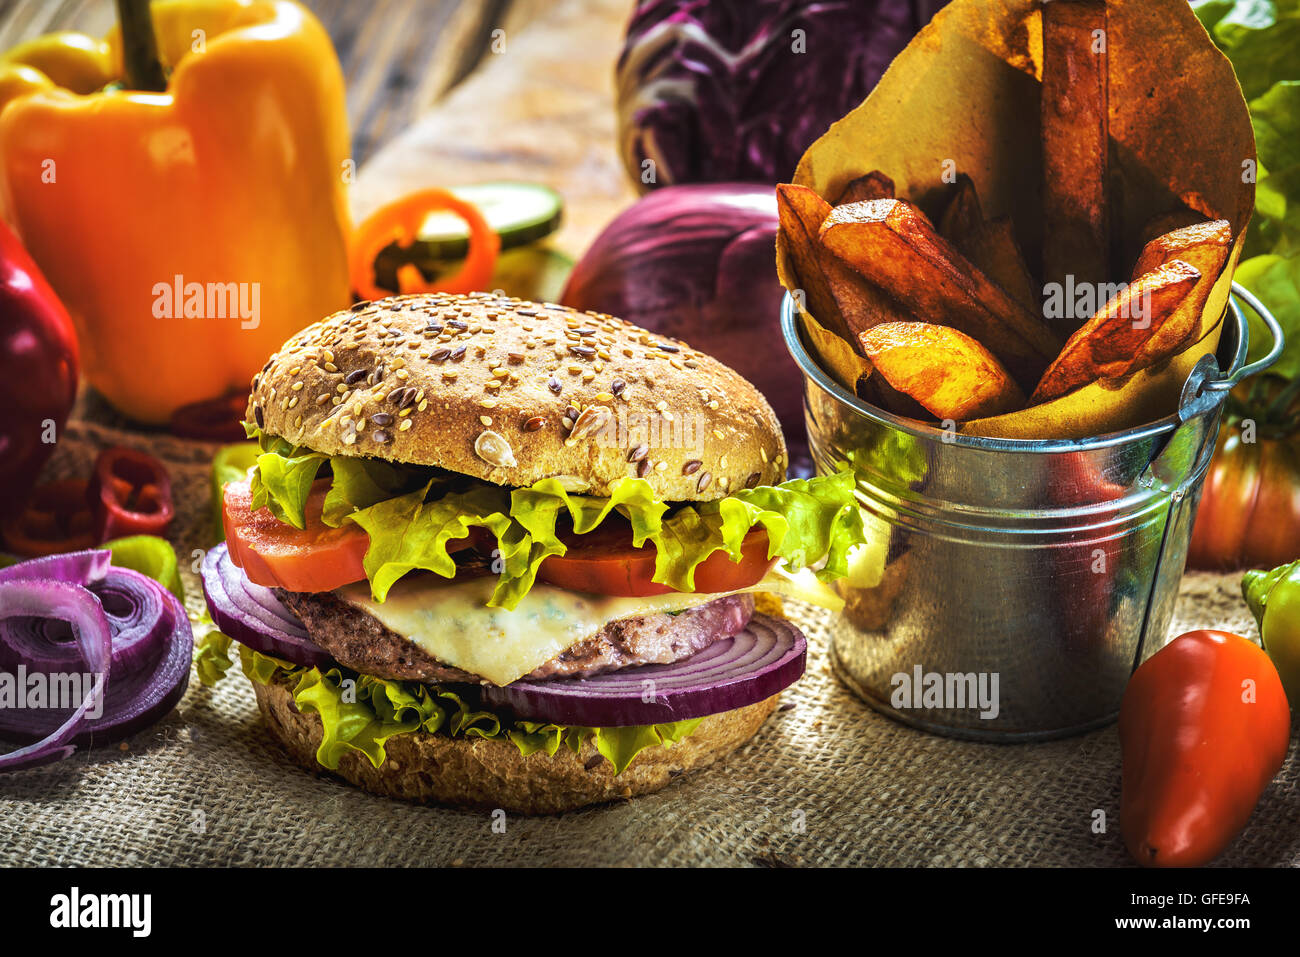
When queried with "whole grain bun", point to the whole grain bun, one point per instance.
{"points": [[490, 774], [512, 392]]}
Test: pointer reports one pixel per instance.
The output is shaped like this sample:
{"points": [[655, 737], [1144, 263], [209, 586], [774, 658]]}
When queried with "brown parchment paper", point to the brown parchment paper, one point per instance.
{"points": [[963, 96]]}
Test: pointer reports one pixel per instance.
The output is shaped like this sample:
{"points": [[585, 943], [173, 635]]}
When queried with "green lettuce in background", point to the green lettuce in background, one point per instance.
{"points": [[361, 713], [1262, 39]]}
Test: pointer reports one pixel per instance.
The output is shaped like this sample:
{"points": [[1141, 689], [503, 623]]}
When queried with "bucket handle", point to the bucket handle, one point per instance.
{"points": [[1259, 365]]}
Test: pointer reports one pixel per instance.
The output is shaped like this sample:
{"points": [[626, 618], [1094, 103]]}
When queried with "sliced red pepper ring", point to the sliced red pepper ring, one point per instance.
{"points": [[56, 519], [212, 420], [130, 494], [400, 222]]}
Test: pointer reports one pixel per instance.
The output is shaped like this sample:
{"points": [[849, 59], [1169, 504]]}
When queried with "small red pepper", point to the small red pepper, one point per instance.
{"points": [[56, 519], [130, 494], [1204, 726], [213, 420]]}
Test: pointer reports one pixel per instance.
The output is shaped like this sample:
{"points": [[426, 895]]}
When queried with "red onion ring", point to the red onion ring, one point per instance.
{"points": [[767, 656], [252, 614], [128, 633]]}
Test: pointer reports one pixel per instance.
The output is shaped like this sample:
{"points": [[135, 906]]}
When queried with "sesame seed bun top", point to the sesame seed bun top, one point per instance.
{"points": [[512, 392]]}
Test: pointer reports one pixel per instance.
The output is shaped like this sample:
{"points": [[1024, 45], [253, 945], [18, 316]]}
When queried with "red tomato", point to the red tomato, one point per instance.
{"points": [[273, 553], [604, 562], [1249, 514]]}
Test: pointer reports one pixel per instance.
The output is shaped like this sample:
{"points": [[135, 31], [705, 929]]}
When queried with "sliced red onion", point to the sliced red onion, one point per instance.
{"points": [[252, 614], [752, 665], [75, 614]]}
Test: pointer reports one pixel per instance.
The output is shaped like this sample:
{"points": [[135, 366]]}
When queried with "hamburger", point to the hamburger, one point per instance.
{"points": [[505, 554]]}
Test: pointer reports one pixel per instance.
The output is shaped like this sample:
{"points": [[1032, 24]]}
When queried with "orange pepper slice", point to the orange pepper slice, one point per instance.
{"points": [[399, 222]]}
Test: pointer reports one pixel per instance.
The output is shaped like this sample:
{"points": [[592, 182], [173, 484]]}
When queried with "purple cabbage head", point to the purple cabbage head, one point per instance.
{"points": [[714, 90]]}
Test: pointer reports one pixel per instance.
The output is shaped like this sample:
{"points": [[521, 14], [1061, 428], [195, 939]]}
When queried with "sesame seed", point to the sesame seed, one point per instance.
{"points": [[763, 452], [661, 405], [297, 386], [292, 402], [406, 424], [488, 403], [485, 419], [331, 367], [424, 403], [713, 404], [492, 384]]}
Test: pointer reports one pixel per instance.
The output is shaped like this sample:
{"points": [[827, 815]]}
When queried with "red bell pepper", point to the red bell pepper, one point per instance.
{"points": [[55, 519], [38, 371], [1204, 726], [130, 494]]}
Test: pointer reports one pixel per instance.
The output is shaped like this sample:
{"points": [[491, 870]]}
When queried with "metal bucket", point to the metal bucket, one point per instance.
{"points": [[1009, 587]]}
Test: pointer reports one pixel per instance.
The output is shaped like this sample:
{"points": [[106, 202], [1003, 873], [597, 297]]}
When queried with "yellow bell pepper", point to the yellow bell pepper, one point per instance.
{"points": [[188, 232]]}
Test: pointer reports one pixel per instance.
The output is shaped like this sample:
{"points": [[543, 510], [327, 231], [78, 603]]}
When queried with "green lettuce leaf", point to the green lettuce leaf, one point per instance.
{"points": [[211, 653], [1261, 37], [809, 522], [360, 483], [362, 713], [407, 533]]}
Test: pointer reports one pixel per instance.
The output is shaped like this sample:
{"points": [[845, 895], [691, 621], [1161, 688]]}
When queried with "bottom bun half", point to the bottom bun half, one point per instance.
{"points": [[491, 774]]}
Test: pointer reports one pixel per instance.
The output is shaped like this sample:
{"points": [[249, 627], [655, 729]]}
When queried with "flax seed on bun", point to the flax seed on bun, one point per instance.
{"points": [[512, 392]]}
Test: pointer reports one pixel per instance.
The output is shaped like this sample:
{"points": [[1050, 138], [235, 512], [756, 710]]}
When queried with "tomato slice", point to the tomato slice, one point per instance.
{"points": [[604, 562], [274, 553]]}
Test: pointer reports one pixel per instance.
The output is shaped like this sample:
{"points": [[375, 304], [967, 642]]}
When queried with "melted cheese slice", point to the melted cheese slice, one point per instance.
{"points": [[452, 621]]}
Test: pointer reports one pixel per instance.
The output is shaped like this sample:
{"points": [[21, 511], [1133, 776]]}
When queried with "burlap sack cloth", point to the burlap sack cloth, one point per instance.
{"points": [[825, 782]]}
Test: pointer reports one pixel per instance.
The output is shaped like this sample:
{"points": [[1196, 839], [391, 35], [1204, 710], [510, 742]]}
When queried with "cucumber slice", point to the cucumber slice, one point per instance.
{"points": [[519, 212]]}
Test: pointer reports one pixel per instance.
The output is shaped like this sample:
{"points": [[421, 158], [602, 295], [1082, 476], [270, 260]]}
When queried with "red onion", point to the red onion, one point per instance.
{"points": [[698, 263], [252, 614], [75, 614], [752, 665]]}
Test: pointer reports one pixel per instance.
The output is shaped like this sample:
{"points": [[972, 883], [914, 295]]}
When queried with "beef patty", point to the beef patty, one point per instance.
{"points": [[360, 641]]}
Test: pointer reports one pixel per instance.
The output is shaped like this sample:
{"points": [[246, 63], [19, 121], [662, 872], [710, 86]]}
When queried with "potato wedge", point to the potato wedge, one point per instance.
{"points": [[837, 297], [873, 388], [1202, 245], [1113, 342], [962, 217], [874, 185], [891, 243], [988, 243], [1076, 143], [950, 374], [995, 251]]}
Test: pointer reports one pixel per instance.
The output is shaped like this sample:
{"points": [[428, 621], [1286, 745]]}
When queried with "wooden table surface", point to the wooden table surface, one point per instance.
{"points": [[398, 56]]}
